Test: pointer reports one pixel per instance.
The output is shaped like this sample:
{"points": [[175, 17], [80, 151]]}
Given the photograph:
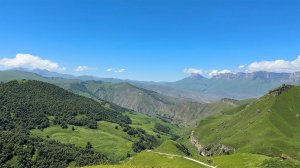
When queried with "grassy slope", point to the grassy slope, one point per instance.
{"points": [[106, 139], [152, 103], [149, 159], [147, 123], [268, 126]]}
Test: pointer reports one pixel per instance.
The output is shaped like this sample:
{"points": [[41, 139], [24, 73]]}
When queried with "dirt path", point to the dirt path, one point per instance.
{"points": [[191, 159]]}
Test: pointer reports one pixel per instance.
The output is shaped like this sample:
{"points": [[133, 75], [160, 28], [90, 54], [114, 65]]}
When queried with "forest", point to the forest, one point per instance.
{"points": [[27, 105]]}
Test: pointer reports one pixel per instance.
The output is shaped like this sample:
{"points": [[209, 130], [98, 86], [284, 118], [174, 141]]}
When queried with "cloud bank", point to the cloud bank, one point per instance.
{"points": [[30, 62], [275, 66], [279, 65]]}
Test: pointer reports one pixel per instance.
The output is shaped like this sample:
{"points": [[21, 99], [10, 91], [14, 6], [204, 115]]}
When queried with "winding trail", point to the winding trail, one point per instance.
{"points": [[188, 158]]}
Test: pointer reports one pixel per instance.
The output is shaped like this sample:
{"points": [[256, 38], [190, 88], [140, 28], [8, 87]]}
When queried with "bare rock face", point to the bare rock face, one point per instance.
{"points": [[195, 142], [220, 149]]}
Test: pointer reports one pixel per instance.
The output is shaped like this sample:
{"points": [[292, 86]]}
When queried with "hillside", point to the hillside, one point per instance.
{"points": [[131, 97], [42, 125], [267, 126], [150, 102]]}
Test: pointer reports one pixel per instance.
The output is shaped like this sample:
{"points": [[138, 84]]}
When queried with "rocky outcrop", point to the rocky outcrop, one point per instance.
{"points": [[210, 149], [220, 149], [278, 91], [195, 142]]}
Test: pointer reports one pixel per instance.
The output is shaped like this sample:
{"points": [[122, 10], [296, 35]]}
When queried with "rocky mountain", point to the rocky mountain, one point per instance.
{"points": [[236, 85], [261, 75]]}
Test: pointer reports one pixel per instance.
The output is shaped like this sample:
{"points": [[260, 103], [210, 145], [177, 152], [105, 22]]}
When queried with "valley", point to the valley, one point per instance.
{"points": [[145, 128], [149, 84]]}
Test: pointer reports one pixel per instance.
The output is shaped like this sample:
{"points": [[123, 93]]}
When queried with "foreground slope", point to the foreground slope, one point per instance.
{"points": [[268, 126]]}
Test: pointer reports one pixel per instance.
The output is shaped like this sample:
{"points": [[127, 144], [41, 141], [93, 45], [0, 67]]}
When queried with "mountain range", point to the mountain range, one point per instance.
{"points": [[196, 87]]}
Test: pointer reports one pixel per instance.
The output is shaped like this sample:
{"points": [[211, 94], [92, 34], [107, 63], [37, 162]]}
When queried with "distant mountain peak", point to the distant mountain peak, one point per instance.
{"points": [[196, 76]]}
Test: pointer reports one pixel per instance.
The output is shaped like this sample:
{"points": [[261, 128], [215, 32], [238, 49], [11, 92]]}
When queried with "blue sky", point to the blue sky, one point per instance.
{"points": [[159, 40]]}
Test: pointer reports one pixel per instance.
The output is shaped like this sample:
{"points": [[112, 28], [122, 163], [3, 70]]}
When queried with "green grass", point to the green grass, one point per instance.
{"points": [[106, 139], [151, 159], [267, 126], [239, 160], [147, 123]]}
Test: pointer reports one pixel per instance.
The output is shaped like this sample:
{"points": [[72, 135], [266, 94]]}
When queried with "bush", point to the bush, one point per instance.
{"points": [[161, 128]]}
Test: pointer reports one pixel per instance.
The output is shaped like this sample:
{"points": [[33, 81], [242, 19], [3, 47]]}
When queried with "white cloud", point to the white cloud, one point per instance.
{"points": [[275, 66], [193, 71], [109, 69], [279, 65], [120, 70], [218, 72], [241, 66], [30, 62], [82, 68], [116, 70]]}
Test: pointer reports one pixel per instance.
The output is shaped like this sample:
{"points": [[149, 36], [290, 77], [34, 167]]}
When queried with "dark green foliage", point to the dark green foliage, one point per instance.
{"points": [[26, 105], [89, 146], [175, 137], [145, 141], [161, 128], [64, 125], [276, 162], [183, 149], [31, 102], [35, 152]]}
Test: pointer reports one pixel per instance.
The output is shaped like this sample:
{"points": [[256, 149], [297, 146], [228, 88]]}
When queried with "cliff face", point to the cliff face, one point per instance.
{"points": [[261, 75]]}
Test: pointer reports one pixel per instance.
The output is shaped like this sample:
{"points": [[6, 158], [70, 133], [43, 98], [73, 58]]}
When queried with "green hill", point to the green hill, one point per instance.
{"points": [[42, 125], [268, 126]]}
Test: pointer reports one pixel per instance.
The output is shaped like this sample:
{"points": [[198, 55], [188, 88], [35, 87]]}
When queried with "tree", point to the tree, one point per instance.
{"points": [[89, 146]]}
